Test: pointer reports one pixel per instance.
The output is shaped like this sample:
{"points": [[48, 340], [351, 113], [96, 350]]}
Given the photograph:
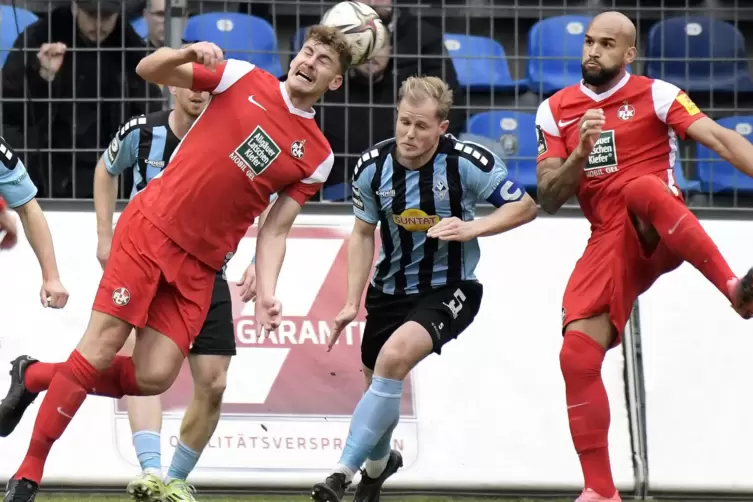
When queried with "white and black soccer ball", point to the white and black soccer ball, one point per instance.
{"points": [[362, 27]]}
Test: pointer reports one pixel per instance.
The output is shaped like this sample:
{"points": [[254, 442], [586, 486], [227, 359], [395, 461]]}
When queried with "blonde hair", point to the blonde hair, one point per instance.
{"points": [[334, 39], [418, 89]]}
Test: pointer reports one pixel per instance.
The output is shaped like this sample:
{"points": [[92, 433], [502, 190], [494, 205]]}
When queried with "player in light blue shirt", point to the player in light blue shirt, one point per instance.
{"points": [[421, 188], [19, 193]]}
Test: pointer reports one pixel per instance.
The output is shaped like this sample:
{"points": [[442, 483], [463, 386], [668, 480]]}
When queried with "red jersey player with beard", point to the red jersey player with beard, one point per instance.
{"points": [[612, 141], [256, 137]]}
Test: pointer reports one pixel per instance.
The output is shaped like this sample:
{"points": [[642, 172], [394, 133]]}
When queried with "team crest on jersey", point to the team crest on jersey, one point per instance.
{"points": [[440, 189], [297, 148], [256, 153], [626, 112]]}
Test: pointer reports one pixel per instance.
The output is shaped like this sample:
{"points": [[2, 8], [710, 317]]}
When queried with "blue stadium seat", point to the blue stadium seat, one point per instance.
{"points": [[559, 41], [481, 63], [683, 38], [139, 26], [516, 133], [241, 36], [684, 184], [8, 31], [718, 175]]}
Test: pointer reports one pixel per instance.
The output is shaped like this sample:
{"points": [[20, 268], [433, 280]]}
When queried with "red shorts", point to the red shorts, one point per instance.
{"points": [[613, 271], [150, 281]]}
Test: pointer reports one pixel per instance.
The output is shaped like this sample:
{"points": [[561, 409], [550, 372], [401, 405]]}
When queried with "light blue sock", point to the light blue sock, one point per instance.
{"points": [[147, 445], [376, 413], [184, 460]]}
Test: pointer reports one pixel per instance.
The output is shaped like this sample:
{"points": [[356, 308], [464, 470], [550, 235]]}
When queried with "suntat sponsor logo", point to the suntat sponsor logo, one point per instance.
{"points": [[415, 220]]}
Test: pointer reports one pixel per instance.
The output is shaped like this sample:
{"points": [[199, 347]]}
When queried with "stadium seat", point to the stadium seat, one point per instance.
{"points": [[555, 46], [717, 175], [516, 133], [139, 26], [11, 25], [480, 63], [683, 39], [241, 36], [684, 184]]}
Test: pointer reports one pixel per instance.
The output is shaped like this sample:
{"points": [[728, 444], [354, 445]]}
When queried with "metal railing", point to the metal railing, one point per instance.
{"points": [[61, 125]]}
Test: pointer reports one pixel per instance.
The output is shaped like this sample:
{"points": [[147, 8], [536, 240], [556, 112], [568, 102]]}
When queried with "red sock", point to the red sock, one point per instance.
{"points": [[118, 380], [39, 375], [679, 229], [65, 396], [588, 409]]}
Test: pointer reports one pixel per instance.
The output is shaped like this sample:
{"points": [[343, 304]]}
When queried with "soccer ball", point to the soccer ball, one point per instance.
{"points": [[362, 27]]}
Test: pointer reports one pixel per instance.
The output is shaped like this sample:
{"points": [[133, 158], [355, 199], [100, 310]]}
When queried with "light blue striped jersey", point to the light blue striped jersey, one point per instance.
{"points": [[406, 203], [15, 185]]}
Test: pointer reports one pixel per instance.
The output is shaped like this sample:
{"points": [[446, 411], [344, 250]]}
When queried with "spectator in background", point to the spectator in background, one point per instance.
{"points": [[353, 128], [413, 37], [154, 14], [64, 63]]}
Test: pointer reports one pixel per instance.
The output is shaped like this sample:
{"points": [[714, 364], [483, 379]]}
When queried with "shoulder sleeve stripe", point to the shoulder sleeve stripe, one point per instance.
{"points": [[663, 95], [545, 119], [322, 171], [477, 155], [9, 157], [233, 72], [369, 157], [128, 126]]}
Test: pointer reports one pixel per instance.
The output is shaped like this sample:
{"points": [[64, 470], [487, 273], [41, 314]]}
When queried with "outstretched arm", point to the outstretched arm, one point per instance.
{"points": [[728, 144]]}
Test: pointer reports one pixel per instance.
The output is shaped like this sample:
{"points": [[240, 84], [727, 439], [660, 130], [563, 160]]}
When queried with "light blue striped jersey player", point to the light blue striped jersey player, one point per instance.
{"points": [[143, 144], [16, 186], [406, 203]]}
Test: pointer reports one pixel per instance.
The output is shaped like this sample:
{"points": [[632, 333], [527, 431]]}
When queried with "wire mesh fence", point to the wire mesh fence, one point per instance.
{"points": [[69, 81]]}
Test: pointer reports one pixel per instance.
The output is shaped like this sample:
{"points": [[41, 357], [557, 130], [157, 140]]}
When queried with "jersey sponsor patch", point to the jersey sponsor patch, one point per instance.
{"points": [[415, 220], [604, 153], [256, 153], [112, 150], [541, 140], [688, 104], [357, 200]]}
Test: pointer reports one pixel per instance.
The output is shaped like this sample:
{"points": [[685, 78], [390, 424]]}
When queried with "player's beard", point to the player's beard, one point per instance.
{"points": [[603, 76]]}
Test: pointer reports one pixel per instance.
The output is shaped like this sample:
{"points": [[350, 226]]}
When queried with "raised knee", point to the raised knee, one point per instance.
{"points": [[392, 363]]}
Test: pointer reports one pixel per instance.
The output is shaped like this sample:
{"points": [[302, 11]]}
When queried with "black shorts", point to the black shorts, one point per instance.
{"points": [[444, 312], [217, 335]]}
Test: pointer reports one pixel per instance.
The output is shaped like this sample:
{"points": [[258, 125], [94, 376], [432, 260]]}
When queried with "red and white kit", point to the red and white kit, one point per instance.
{"points": [[249, 143], [643, 119]]}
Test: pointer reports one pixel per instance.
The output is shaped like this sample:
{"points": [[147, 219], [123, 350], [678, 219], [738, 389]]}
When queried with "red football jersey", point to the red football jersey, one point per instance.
{"points": [[643, 118], [248, 144]]}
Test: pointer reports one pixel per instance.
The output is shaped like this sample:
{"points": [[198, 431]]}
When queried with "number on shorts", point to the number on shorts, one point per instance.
{"points": [[456, 304]]}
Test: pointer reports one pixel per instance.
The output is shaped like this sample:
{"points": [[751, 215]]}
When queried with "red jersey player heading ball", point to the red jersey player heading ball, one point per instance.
{"points": [[612, 141], [256, 137]]}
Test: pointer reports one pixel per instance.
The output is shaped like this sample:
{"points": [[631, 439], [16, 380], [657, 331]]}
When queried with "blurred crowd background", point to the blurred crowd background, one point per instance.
{"points": [[69, 81]]}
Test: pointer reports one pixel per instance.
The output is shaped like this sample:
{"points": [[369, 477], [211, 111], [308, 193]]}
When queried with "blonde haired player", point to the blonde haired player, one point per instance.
{"points": [[423, 186]]}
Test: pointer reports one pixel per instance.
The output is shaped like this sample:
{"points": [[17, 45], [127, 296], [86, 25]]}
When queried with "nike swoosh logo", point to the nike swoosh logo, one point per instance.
{"points": [[565, 124], [60, 410], [253, 101], [674, 228]]}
